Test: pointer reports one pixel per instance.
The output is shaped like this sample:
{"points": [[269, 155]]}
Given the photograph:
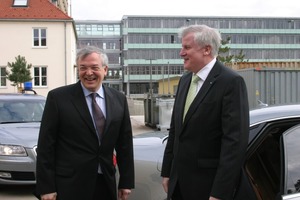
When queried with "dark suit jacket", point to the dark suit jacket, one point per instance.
{"points": [[204, 153], [68, 148]]}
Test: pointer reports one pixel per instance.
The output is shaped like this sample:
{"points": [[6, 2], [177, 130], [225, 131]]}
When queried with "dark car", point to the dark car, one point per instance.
{"points": [[272, 165], [20, 117]]}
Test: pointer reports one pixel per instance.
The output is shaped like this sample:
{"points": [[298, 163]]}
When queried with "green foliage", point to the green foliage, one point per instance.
{"points": [[19, 71], [224, 55]]}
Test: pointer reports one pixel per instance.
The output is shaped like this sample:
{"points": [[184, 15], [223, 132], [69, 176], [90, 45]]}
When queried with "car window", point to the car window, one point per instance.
{"points": [[21, 111], [264, 159], [291, 141]]}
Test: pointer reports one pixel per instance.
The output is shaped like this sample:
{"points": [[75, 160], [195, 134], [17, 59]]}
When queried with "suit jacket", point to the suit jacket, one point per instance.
{"points": [[68, 149], [204, 154]]}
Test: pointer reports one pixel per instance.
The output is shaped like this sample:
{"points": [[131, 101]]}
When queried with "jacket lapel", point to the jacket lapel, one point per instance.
{"points": [[80, 105], [182, 93], [207, 85], [109, 103]]}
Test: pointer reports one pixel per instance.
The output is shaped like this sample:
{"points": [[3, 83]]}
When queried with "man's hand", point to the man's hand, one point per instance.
{"points": [[123, 194], [50, 196], [165, 184]]}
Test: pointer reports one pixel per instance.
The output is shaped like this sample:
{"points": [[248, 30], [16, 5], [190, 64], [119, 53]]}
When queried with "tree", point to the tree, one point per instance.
{"points": [[227, 58], [19, 71]]}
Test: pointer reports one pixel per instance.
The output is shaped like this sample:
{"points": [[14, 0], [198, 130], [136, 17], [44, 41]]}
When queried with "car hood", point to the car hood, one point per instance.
{"points": [[148, 149], [24, 134]]}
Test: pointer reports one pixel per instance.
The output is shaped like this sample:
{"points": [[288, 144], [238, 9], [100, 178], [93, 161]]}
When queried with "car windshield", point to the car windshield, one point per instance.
{"points": [[18, 111]]}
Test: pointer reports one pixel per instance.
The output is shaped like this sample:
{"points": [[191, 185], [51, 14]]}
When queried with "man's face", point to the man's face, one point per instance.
{"points": [[193, 55], [91, 71]]}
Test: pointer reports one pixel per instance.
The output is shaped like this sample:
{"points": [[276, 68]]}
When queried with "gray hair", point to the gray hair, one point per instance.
{"points": [[203, 36], [84, 52]]}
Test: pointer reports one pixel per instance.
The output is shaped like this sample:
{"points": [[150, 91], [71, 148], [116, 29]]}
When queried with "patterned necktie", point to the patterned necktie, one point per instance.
{"points": [[98, 116], [191, 94]]}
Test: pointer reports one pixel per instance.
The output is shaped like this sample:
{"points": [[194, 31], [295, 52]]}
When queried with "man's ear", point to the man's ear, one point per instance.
{"points": [[207, 50]]}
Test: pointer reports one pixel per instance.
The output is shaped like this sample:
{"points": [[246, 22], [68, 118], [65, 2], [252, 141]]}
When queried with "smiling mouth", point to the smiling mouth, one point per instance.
{"points": [[185, 59], [90, 78]]}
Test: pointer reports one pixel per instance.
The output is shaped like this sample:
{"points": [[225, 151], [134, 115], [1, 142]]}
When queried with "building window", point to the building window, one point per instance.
{"points": [[111, 28], [20, 3], [3, 76], [99, 28], [40, 76], [39, 37]]}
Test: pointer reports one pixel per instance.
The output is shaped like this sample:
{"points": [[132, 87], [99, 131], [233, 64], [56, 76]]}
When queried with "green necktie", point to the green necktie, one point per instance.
{"points": [[191, 94]]}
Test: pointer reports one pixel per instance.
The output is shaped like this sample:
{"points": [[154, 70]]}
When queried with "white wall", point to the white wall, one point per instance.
{"points": [[16, 38]]}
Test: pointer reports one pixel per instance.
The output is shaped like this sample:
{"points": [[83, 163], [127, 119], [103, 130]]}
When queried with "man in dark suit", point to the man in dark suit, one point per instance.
{"points": [[207, 144], [75, 156]]}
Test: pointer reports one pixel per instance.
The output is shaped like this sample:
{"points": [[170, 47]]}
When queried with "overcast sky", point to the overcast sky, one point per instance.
{"points": [[116, 9]]}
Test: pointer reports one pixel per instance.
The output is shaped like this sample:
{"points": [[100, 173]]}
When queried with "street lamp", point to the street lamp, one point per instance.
{"points": [[128, 79], [151, 94], [151, 86], [168, 78]]}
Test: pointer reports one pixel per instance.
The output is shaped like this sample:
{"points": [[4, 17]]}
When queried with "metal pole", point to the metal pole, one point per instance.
{"points": [[151, 91], [168, 79], [128, 85], [151, 95], [163, 77]]}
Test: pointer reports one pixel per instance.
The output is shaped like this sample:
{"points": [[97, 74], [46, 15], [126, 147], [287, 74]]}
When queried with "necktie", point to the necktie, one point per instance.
{"points": [[191, 94], [98, 116]]}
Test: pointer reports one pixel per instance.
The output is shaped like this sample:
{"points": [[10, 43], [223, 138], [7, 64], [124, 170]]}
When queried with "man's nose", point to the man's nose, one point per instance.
{"points": [[89, 71], [182, 53]]}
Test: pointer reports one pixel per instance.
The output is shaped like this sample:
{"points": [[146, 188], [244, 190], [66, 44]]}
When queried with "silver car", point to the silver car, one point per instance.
{"points": [[20, 117], [271, 167]]}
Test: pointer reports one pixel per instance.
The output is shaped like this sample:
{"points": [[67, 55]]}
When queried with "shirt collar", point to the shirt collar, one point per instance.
{"points": [[86, 92], [203, 73]]}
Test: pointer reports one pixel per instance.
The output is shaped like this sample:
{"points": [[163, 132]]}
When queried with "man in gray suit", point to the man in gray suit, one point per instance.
{"points": [[75, 156], [208, 139]]}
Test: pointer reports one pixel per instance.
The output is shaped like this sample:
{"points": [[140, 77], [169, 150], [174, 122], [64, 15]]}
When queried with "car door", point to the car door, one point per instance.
{"points": [[291, 152], [265, 158]]}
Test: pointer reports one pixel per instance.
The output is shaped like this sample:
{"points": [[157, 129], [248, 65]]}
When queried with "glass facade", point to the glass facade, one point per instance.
{"points": [[145, 49]]}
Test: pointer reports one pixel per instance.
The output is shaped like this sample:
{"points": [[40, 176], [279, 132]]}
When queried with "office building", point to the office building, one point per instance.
{"points": [[149, 47], [107, 36]]}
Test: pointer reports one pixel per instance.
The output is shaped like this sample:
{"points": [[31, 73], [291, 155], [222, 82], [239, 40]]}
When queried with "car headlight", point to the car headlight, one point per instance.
{"points": [[12, 150]]}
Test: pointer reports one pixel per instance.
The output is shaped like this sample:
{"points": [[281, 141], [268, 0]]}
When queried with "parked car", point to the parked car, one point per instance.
{"points": [[20, 117], [272, 164], [148, 155]]}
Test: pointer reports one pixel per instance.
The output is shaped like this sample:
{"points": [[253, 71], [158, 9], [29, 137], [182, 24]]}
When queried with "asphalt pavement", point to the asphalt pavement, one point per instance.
{"points": [[138, 125]]}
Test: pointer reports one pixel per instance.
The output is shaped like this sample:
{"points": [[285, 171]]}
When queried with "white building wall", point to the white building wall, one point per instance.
{"points": [[16, 38]]}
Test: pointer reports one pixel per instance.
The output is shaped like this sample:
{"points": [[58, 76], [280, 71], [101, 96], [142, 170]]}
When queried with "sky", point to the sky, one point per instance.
{"points": [[116, 9]]}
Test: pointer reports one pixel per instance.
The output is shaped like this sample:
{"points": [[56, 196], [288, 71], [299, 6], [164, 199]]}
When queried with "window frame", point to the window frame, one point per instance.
{"points": [[3, 76], [39, 38], [40, 76], [20, 3]]}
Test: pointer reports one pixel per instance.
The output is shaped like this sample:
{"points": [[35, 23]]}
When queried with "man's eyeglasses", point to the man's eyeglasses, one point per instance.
{"points": [[93, 68]]}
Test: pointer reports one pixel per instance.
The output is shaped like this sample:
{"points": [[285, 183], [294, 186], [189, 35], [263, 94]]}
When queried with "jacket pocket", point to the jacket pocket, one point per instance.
{"points": [[208, 163]]}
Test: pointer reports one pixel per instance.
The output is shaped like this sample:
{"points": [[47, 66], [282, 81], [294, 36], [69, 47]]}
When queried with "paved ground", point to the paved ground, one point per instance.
{"points": [[138, 125], [25, 192]]}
